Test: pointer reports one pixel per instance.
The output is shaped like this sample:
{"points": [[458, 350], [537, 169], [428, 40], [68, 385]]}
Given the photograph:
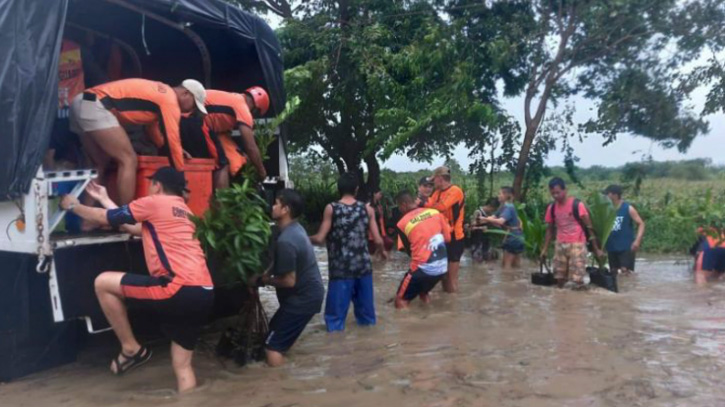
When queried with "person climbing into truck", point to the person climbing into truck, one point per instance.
{"points": [[99, 113], [228, 111], [179, 289]]}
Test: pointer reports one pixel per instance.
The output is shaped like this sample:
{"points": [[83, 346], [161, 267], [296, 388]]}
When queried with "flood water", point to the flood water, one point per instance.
{"points": [[500, 342]]}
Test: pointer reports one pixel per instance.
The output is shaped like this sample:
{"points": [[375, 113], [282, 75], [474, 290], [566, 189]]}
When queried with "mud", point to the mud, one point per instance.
{"points": [[500, 342]]}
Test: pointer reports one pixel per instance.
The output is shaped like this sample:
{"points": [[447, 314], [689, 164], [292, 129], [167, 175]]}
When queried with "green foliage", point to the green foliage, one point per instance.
{"points": [[602, 214], [534, 229], [236, 231], [317, 194]]}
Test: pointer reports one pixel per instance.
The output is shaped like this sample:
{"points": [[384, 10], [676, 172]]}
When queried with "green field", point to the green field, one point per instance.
{"points": [[673, 206]]}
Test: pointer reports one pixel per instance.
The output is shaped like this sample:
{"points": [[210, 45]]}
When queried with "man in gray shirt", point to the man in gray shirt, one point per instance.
{"points": [[296, 277]]}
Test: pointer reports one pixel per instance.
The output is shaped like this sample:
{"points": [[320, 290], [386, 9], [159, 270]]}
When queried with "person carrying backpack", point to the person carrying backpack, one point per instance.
{"points": [[573, 230]]}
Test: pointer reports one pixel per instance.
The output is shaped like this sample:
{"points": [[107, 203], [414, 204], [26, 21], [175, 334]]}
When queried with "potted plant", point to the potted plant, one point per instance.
{"points": [[603, 215]]}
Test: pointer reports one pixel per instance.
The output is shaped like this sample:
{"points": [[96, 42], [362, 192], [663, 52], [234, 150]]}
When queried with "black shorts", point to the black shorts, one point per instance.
{"points": [[713, 258], [181, 316], [417, 283], [455, 250], [284, 329], [621, 260]]}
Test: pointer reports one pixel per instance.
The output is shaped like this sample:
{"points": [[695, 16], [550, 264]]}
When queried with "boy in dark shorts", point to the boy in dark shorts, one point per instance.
{"points": [[424, 234], [179, 289], [622, 244], [295, 276]]}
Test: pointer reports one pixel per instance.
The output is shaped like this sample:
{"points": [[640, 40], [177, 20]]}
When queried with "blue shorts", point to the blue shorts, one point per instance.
{"points": [[713, 258], [284, 329], [513, 244]]}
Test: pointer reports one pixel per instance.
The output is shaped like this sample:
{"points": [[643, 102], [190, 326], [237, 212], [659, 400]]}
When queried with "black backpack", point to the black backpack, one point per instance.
{"points": [[575, 212]]}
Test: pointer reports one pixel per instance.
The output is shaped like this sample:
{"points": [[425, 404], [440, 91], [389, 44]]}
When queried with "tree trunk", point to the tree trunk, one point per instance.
{"points": [[523, 159], [373, 165]]}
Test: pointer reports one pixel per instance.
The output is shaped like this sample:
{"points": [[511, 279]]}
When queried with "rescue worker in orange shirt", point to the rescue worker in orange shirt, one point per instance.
{"points": [[99, 113], [449, 199], [228, 111]]}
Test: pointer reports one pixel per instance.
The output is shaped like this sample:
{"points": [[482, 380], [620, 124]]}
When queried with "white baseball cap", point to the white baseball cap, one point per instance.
{"points": [[197, 89]]}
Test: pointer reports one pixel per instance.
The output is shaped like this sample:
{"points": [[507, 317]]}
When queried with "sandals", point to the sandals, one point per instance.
{"points": [[142, 356]]}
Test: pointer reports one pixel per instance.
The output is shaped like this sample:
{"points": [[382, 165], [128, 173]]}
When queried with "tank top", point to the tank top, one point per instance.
{"points": [[347, 242], [622, 236]]}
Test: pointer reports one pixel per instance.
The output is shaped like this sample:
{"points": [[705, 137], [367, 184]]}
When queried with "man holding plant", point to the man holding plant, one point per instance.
{"points": [[570, 218], [622, 244], [295, 276]]}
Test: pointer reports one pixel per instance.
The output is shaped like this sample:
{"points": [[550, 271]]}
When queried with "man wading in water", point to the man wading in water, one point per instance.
{"points": [[570, 253], [345, 226], [295, 277], [449, 200], [622, 245], [424, 234], [508, 218]]}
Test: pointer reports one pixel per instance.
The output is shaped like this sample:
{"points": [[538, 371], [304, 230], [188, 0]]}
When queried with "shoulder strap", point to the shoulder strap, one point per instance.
{"points": [[552, 211], [575, 210]]}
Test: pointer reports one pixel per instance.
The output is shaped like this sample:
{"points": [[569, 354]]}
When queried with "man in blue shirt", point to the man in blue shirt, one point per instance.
{"points": [[507, 218], [622, 244]]}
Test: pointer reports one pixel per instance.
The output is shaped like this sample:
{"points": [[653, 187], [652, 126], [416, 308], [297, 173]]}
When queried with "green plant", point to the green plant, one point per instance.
{"points": [[266, 134], [603, 215], [534, 229], [236, 231]]}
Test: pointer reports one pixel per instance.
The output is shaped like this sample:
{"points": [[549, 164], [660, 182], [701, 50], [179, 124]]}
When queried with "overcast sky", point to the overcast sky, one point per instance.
{"points": [[625, 149]]}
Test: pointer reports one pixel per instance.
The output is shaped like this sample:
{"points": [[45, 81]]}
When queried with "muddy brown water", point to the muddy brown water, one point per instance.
{"points": [[500, 342]]}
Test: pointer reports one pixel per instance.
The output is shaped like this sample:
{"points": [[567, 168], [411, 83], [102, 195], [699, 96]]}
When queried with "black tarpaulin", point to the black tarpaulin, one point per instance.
{"points": [[30, 39], [242, 51]]}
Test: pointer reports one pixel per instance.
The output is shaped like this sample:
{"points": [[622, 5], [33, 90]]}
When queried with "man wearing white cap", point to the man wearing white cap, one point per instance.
{"points": [[98, 114]]}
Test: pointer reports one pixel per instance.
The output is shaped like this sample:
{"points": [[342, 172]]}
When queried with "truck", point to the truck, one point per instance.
{"points": [[47, 300]]}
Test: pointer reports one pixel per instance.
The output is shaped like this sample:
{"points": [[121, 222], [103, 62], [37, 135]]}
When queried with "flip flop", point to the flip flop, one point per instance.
{"points": [[142, 356]]}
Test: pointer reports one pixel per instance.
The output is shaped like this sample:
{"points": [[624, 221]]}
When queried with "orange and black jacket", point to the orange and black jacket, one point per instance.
{"points": [[149, 103], [451, 203]]}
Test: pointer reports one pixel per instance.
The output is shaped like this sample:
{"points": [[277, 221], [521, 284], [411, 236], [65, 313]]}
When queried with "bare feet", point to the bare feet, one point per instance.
{"points": [[425, 297]]}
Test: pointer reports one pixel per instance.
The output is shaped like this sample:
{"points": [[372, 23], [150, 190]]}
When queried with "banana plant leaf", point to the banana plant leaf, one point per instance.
{"points": [[603, 215]]}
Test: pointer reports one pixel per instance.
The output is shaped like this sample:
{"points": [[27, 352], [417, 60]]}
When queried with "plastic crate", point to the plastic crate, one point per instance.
{"points": [[197, 171]]}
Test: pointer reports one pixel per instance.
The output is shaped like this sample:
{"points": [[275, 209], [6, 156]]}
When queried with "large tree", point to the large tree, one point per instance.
{"points": [[378, 77], [618, 53]]}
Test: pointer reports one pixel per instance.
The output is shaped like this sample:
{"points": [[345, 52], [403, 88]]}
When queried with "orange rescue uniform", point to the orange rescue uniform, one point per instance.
{"points": [[451, 203], [226, 112], [149, 103]]}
